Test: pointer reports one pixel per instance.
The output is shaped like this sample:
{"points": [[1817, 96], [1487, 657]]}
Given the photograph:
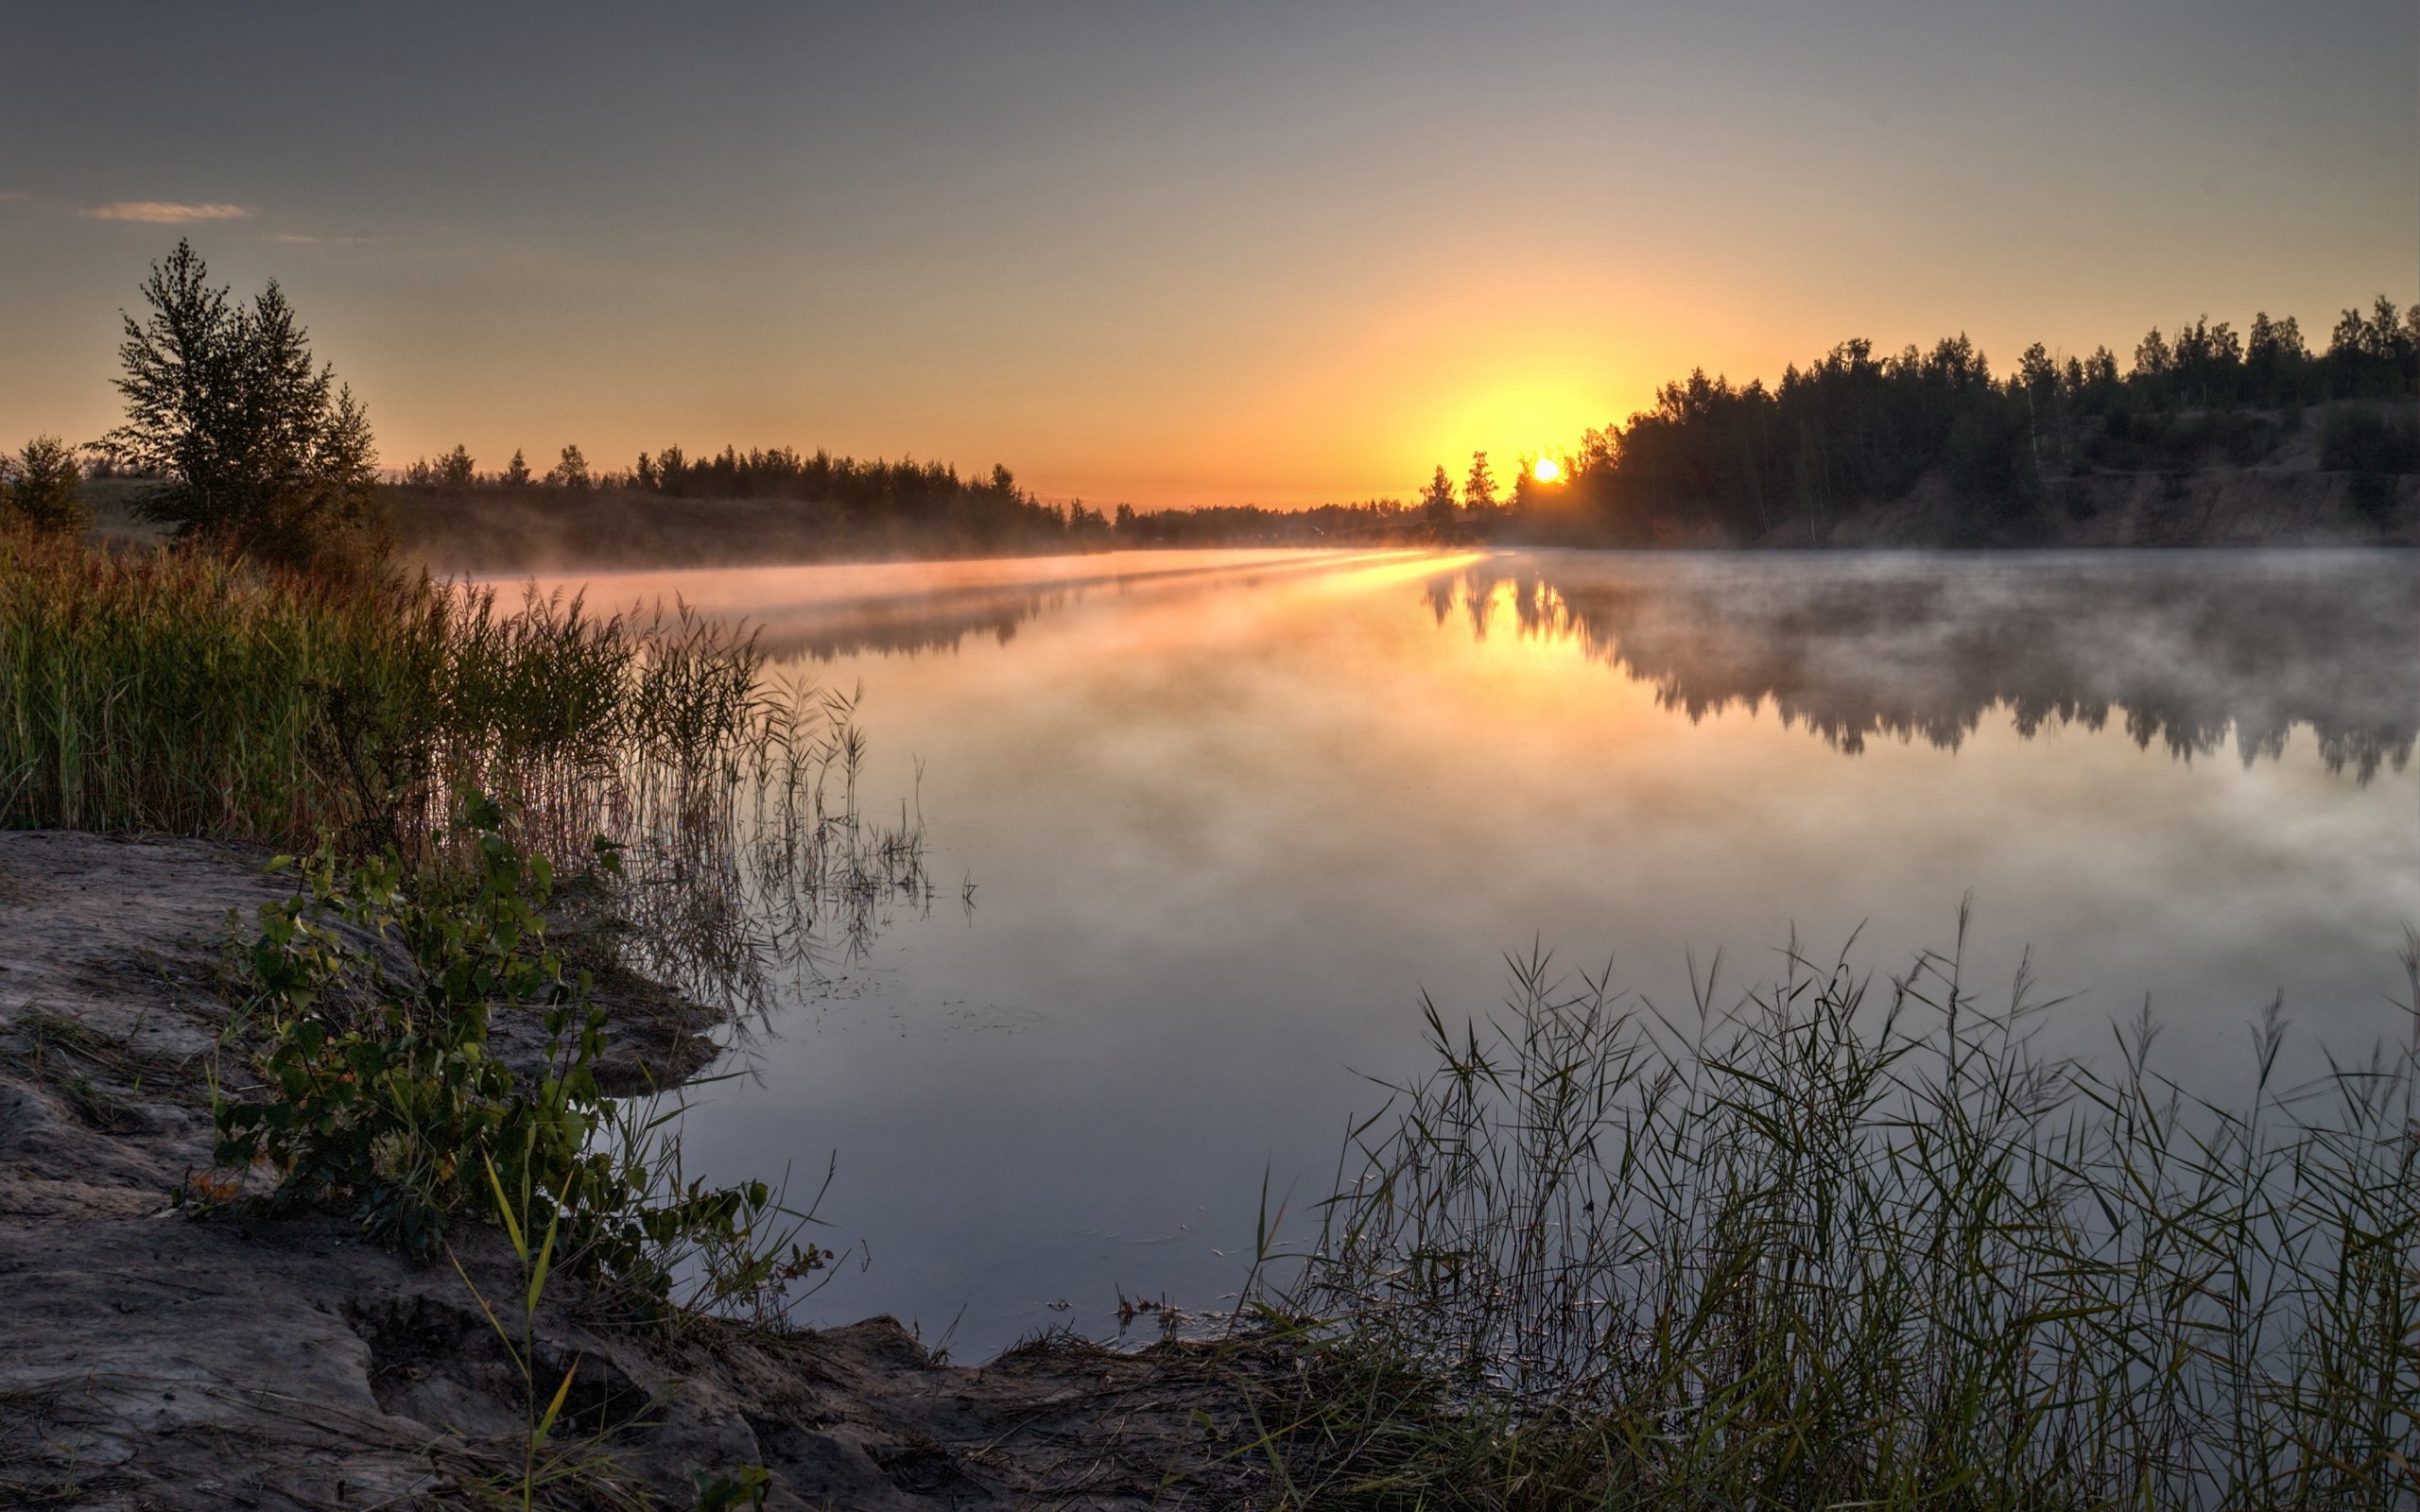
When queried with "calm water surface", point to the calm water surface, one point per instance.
{"points": [[1229, 815]]}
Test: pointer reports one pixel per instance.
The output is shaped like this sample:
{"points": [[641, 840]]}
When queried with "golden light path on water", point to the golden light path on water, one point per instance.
{"points": [[1227, 815]]}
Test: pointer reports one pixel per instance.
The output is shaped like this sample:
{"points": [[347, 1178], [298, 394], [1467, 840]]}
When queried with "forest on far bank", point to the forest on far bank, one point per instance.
{"points": [[1712, 460], [1851, 428], [2027, 456]]}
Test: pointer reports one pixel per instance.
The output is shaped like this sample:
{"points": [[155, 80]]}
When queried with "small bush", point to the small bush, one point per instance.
{"points": [[42, 489], [379, 1091]]}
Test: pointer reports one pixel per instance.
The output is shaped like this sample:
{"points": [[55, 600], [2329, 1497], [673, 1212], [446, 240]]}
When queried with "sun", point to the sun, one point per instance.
{"points": [[1546, 469]]}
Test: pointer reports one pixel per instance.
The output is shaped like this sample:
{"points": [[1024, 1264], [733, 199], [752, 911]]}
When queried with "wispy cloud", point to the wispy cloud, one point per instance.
{"points": [[7, 195], [166, 212]]}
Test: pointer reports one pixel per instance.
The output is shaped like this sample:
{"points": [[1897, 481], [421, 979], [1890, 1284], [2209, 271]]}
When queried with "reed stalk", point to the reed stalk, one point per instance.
{"points": [[1843, 1248]]}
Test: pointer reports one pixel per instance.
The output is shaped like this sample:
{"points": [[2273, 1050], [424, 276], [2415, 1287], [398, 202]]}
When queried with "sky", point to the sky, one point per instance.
{"points": [[1176, 254]]}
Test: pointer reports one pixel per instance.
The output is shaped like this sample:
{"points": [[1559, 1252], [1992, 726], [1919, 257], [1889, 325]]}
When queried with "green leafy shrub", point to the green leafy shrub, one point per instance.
{"points": [[373, 1002]]}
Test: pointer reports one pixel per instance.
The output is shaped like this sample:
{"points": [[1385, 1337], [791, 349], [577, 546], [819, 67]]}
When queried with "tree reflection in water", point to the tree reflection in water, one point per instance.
{"points": [[2189, 651]]}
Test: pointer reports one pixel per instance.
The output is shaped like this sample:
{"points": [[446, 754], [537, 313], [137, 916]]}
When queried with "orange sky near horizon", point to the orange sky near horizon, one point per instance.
{"points": [[1281, 256]]}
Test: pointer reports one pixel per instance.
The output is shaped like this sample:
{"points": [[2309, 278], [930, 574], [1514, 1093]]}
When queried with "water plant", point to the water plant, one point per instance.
{"points": [[1844, 1248], [188, 693]]}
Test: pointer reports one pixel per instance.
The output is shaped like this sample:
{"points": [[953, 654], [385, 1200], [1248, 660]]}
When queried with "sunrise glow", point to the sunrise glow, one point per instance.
{"points": [[1546, 469]]}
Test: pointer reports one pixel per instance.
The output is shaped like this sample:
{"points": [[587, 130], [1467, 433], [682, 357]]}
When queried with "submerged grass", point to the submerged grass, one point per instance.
{"points": [[1843, 1249]]}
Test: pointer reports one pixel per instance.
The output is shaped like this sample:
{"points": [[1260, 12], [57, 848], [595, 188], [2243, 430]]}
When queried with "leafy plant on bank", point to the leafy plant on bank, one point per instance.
{"points": [[371, 1003]]}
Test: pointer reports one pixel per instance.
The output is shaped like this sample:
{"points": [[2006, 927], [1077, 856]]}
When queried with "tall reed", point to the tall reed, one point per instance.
{"points": [[184, 693], [1832, 1249]]}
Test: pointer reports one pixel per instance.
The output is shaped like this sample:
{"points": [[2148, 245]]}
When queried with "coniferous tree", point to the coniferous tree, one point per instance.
{"points": [[1479, 490], [1436, 500]]}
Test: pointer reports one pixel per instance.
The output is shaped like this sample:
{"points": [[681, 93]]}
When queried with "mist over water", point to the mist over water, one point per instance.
{"points": [[1227, 815]]}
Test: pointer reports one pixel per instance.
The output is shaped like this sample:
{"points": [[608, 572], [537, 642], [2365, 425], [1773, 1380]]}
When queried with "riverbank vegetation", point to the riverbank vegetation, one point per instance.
{"points": [[377, 1088], [269, 676], [188, 692], [407, 1044], [1844, 1247], [270, 679]]}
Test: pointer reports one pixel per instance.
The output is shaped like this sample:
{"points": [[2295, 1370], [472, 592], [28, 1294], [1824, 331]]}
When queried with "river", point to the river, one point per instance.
{"points": [[1206, 826]]}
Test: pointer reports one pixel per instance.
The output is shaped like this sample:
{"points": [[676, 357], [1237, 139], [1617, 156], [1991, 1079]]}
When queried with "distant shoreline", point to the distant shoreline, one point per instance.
{"points": [[492, 532], [495, 531]]}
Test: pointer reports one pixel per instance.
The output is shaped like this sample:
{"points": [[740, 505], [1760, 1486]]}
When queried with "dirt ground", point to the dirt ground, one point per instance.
{"points": [[149, 1358]]}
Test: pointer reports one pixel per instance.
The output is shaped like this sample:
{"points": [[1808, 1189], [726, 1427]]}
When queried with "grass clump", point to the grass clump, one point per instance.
{"points": [[189, 693], [1826, 1251], [183, 691]]}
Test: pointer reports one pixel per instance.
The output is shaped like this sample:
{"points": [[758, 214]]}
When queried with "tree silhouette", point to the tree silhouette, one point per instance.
{"points": [[42, 487], [570, 473], [260, 450], [1856, 427], [1479, 490], [1436, 500]]}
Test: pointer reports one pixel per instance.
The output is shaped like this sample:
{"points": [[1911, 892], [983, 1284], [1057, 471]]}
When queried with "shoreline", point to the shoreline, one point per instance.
{"points": [[498, 533], [156, 1360]]}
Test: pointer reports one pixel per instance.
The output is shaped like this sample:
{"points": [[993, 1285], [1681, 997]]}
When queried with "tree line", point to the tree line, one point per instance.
{"points": [[1854, 428], [849, 492], [911, 494], [254, 446]]}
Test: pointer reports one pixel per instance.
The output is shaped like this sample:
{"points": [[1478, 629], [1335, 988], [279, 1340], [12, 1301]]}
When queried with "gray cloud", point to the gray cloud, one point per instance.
{"points": [[166, 212]]}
